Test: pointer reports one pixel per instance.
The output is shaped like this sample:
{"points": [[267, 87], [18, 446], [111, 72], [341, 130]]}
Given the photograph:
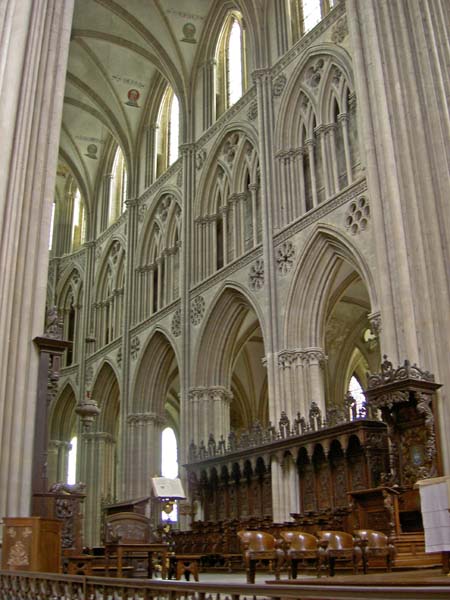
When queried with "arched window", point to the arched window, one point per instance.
{"points": [[174, 127], [167, 135], [305, 14], [72, 462], [109, 303], [169, 464], [234, 63], [68, 224], [78, 222], [311, 14], [230, 63], [52, 223], [118, 187], [356, 391]]}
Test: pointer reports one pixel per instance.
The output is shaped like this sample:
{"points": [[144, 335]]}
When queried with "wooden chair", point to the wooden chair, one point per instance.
{"points": [[260, 546], [339, 547], [303, 548], [374, 544]]}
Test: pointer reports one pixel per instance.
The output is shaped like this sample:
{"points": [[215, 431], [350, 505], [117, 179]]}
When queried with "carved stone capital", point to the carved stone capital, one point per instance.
{"points": [[290, 358], [147, 417], [220, 393], [315, 356]]}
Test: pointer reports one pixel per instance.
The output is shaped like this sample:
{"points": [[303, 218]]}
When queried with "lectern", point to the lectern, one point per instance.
{"points": [[435, 504]]}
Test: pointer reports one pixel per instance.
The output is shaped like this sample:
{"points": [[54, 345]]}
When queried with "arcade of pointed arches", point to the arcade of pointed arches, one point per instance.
{"points": [[322, 349]]}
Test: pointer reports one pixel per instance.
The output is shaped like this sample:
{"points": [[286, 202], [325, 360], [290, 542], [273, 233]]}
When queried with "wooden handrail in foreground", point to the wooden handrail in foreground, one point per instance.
{"points": [[55, 586]]}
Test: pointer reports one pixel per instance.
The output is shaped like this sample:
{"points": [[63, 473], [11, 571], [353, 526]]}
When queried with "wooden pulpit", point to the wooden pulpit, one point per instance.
{"points": [[31, 544]]}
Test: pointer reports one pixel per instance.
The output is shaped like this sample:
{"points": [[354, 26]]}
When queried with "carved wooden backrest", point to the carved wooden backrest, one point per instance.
{"points": [[127, 528], [374, 539], [257, 541], [299, 540], [337, 540]]}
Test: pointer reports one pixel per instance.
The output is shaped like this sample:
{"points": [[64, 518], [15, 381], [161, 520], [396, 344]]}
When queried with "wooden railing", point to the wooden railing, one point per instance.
{"points": [[51, 586]]}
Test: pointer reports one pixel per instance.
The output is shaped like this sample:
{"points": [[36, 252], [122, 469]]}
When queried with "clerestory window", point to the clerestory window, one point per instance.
{"points": [[167, 136], [118, 187], [230, 63], [305, 14], [78, 222]]}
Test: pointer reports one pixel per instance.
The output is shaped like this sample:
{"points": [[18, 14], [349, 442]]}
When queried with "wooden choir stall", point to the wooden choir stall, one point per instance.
{"points": [[356, 469]]}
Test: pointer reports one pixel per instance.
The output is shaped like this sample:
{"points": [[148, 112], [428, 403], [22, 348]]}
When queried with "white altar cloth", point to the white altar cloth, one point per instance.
{"points": [[435, 503]]}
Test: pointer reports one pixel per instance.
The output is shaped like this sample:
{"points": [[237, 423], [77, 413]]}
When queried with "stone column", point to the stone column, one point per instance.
{"points": [[159, 265], [282, 217], [404, 114], [139, 291], [150, 274], [253, 188], [189, 178], [293, 382], [266, 126], [262, 78], [144, 456], [321, 139], [165, 279], [312, 169], [34, 43], [151, 152], [287, 499], [203, 256], [195, 263], [332, 156], [224, 211], [278, 509], [57, 461], [241, 200], [209, 93], [292, 183], [282, 27], [301, 201], [232, 202], [104, 205], [315, 361], [209, 412], [293, 487], [129, 300], [343, 119], [97, 471], [63, 225]]}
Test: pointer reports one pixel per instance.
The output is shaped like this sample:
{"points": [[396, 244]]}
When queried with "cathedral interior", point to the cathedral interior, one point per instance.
{"points": [[225, 257]]}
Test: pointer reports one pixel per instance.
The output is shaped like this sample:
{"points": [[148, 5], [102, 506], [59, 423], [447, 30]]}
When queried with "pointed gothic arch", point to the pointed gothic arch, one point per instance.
{"points": [[99, 450], [154, 375], [226, 317], [325, 250], [154, 404]]}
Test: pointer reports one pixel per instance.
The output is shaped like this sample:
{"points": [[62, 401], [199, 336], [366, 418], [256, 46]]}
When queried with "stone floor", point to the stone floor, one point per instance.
{"points": [[426, 577]]}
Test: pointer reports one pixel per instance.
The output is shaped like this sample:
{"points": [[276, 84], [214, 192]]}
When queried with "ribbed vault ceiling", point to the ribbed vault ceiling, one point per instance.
{"points": [[118, 46]]}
